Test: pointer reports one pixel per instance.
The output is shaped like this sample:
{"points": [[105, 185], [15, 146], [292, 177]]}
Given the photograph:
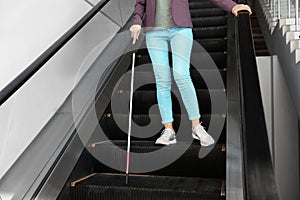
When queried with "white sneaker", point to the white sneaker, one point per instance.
{"points": [[199, 133], [167, 137]]}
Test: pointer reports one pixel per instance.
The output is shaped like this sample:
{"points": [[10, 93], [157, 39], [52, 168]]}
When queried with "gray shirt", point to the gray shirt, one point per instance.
{"points": [[163, 14]]}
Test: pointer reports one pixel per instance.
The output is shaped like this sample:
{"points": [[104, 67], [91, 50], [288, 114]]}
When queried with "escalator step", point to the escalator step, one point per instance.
{"points": [[214, 44], [144, 187], [205, 12], [114, 132], [209, 21], [219, 58], [199, 78], [210, 32], [212, 165], [200, 4]]}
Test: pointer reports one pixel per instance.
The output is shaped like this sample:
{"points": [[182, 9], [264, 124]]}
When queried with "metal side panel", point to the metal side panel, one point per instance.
{"points": [[29, 171], [25, 114], [118, 11], [55, 181]]}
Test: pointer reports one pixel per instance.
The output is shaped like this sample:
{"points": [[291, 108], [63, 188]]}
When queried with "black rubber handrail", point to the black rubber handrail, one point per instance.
{"points": [[260, 180], [24, 76]]}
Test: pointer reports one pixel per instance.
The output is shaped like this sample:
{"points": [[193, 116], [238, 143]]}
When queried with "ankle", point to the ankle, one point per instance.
{"points": [[195, 123], [169, 125]]}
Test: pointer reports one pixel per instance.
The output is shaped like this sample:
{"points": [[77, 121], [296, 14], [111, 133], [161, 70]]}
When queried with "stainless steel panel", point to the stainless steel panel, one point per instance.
{"points": [[61, 73], [22, 175], [55, 182], [264, 69], [118, 11]]}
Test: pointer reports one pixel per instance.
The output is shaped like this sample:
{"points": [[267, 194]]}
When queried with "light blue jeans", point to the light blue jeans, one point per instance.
{"points": [[181, 42]]}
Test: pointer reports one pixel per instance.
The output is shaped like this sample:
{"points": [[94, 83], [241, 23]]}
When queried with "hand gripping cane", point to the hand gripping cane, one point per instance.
{"points": [[130, 115]]}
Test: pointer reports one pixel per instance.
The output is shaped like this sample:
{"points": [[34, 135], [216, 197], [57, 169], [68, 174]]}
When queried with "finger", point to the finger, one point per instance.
{"points": [[246, 7], [131, 34], [134, 37], [136, 34], [250, 11]]}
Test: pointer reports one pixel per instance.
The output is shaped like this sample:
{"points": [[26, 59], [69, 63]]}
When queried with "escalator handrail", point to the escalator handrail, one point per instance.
{"points": [[25, 75], [260, 182]]}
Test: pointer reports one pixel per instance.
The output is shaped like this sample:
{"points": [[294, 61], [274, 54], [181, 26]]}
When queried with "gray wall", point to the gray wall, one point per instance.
{"points": [[29, 28], [282, 126]]}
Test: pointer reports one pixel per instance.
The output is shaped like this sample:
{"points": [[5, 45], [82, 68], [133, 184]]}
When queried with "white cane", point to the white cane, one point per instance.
{"points": [[130, 115]]}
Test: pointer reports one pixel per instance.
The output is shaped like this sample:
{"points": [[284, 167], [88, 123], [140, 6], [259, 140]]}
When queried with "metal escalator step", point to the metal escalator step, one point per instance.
{"points": [[219, 57], [260, 47], [200, 4], [211, 166], [199, 78], [209, 21], [205, 12], [145, 187], [114, 132], [259, 40], [213, 44], [263, 52], [210, 32]]}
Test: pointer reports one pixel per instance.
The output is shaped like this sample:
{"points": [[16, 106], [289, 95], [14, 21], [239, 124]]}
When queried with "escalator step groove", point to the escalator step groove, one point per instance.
{"points": [[212, 166], [141, 187], [205, 12], [213, 44], [200, 4], [209, 21], [114, 132], [210, 32]]}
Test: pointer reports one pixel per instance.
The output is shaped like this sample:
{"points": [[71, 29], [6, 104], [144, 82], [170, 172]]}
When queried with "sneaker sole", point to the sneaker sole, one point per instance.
{"points": [[206, 145], [195, 136], [167, 143]]}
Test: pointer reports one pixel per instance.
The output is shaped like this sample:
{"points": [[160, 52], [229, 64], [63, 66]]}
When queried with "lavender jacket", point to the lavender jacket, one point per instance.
{"points": [[180, 11]]}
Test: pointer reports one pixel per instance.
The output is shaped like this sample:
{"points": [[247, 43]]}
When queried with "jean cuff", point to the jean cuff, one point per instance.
{"points": [[167, 121], [194, 117]]}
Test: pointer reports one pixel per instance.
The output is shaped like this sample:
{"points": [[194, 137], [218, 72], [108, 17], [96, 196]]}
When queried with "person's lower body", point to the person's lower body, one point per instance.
{"points": [[181, 42]]}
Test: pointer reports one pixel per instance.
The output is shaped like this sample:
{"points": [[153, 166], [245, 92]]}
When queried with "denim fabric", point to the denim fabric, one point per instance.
{"points": [[181, 42]]}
